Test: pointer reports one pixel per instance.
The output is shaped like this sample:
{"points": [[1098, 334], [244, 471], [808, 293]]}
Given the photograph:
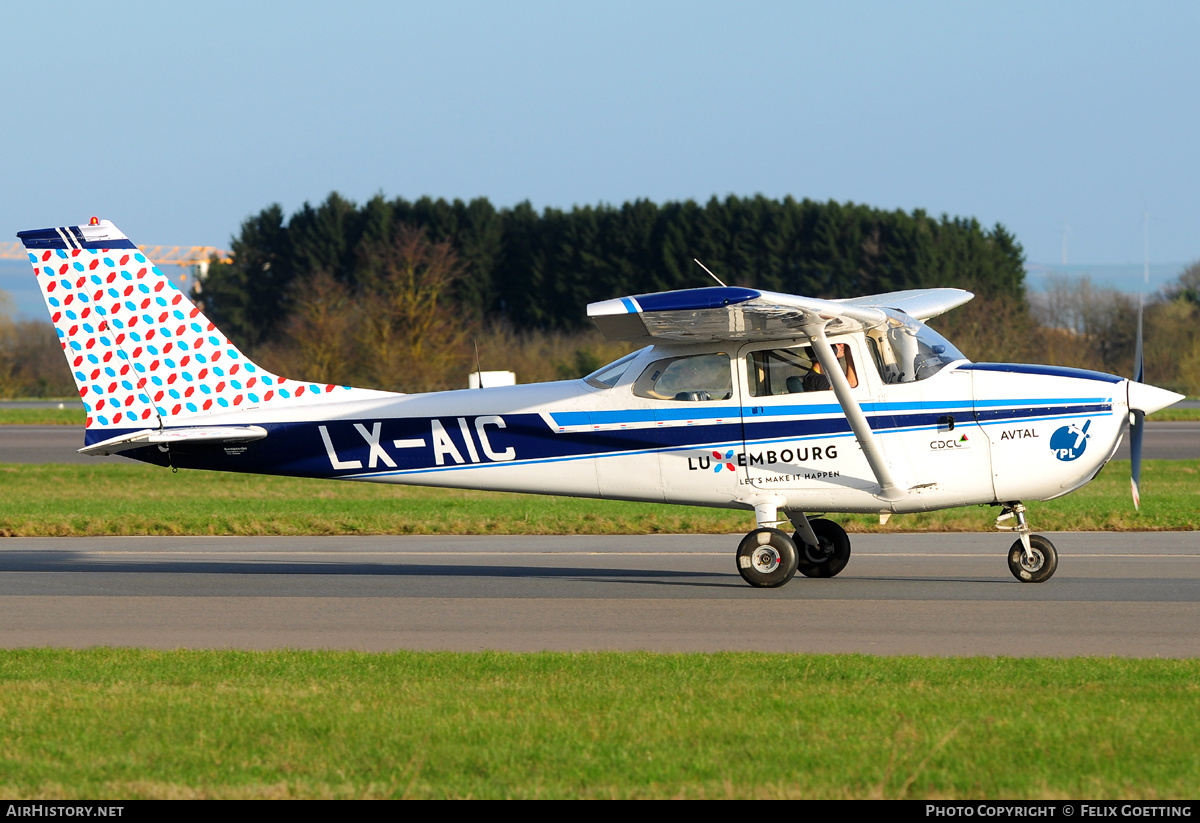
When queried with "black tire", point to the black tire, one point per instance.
{"points": [[766, 558], [1045, 560], [830, 557]]}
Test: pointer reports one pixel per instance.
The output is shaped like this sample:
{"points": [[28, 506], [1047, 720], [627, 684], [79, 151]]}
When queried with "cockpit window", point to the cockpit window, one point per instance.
{"points": [[606, 377], [695, 378], [907, 350], [792, 371]]}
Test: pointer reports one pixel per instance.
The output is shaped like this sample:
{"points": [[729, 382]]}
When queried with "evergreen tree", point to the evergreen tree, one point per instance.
{"points": [[540, 270]]}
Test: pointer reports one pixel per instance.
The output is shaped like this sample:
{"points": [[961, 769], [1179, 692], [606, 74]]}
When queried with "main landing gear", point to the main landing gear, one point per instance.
{"points": [[768, 558], [1033, 558], [829, 554]]}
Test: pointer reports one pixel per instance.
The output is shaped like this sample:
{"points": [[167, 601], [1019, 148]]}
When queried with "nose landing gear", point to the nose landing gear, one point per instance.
{"points": [[1032, 558]]}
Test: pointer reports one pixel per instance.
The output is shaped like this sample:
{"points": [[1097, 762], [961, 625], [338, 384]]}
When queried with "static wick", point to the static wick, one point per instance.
{"points": [[710, 274]]}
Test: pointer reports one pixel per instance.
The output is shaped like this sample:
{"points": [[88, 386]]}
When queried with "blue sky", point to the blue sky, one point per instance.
{"points": [[177, 121]]}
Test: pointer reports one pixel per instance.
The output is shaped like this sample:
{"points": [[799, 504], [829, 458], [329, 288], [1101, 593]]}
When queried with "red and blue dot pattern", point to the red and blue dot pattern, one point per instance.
{"points": [[140, 350]]}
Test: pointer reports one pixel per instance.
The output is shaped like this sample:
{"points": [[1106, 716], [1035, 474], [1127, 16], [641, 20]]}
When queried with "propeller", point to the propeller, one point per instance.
{"points": [[1137, 418]]}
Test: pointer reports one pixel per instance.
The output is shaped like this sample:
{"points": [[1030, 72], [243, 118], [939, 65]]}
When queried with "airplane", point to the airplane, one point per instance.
{"points": [[783, 405]]}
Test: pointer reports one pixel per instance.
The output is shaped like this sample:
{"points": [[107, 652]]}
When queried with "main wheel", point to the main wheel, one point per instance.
{"points": [[1043, 565], [766, 558], [828, 558]]}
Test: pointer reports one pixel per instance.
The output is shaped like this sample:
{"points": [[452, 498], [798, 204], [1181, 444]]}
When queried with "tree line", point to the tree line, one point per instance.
{"points": [[412, 296], [539, 270]]}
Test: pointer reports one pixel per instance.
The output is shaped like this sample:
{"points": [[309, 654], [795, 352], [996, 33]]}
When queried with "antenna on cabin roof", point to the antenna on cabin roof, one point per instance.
{"points": [[710, 274], [478, 365]]}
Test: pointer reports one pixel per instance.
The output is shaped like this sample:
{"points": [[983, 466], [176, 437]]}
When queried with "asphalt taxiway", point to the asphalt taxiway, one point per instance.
{"points": [[1128, 594]]}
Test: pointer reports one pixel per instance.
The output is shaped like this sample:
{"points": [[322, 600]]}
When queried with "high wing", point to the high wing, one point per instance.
{"points": [[732, 313], [715, 314], [919, 303]]}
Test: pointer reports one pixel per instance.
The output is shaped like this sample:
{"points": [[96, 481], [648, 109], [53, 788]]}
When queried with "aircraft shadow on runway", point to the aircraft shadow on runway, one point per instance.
{"points": [[58, 561], [898, 587]]}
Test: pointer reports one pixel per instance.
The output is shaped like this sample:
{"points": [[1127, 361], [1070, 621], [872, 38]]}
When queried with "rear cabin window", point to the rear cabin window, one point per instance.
{"points": [[774, 372], [693, 378], [606, 377]]}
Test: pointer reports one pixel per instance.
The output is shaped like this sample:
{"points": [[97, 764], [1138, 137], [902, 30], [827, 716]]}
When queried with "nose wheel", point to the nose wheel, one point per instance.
{"points": [[1036, 565], [1033, 558]]}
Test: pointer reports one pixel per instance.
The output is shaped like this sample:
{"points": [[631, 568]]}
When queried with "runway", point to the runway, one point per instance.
{"points": [[1135, 595], [59, 444]]}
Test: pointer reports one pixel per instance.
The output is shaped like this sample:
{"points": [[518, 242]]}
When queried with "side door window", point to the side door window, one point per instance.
{"points": [[775, 372]]}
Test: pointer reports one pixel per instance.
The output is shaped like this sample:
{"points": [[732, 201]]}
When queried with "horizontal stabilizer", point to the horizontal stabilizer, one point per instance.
{"points": [[212, 435]]}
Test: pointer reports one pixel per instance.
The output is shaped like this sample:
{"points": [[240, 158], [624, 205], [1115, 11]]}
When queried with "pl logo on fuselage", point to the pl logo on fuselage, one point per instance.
{"points": [[1070, 442]]}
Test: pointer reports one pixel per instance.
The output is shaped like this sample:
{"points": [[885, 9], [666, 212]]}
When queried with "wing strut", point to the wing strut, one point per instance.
{"points": [[888, 488]]}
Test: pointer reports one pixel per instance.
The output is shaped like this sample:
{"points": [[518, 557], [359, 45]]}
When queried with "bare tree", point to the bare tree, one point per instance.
{"points": [[319, 335], [410, 333], [1086, 326]]}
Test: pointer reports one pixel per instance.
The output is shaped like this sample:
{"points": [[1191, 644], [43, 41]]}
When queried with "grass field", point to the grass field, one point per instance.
{"points": [[1175, 414], [130, 498], [70, 416], [129, 724]]}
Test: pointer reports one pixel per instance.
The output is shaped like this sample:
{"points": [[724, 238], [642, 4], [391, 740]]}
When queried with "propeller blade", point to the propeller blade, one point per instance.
{"points": [[1139, 367], [1137, 425], [1137, 417]]}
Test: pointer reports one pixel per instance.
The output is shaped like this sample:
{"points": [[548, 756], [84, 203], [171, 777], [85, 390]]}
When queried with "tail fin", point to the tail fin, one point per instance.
{"points": [[141, 352]]}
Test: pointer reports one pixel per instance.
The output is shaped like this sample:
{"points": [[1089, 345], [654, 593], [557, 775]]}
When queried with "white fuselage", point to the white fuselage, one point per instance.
{"points": [[969, 434]]}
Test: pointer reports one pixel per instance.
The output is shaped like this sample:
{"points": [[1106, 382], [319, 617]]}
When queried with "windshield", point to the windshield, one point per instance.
{"points": [[907, 350]]}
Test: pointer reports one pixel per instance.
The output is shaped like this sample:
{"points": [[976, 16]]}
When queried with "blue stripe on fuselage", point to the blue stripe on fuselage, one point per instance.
{"points": [[1050, 371], [298, 449], [703, 412]]}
